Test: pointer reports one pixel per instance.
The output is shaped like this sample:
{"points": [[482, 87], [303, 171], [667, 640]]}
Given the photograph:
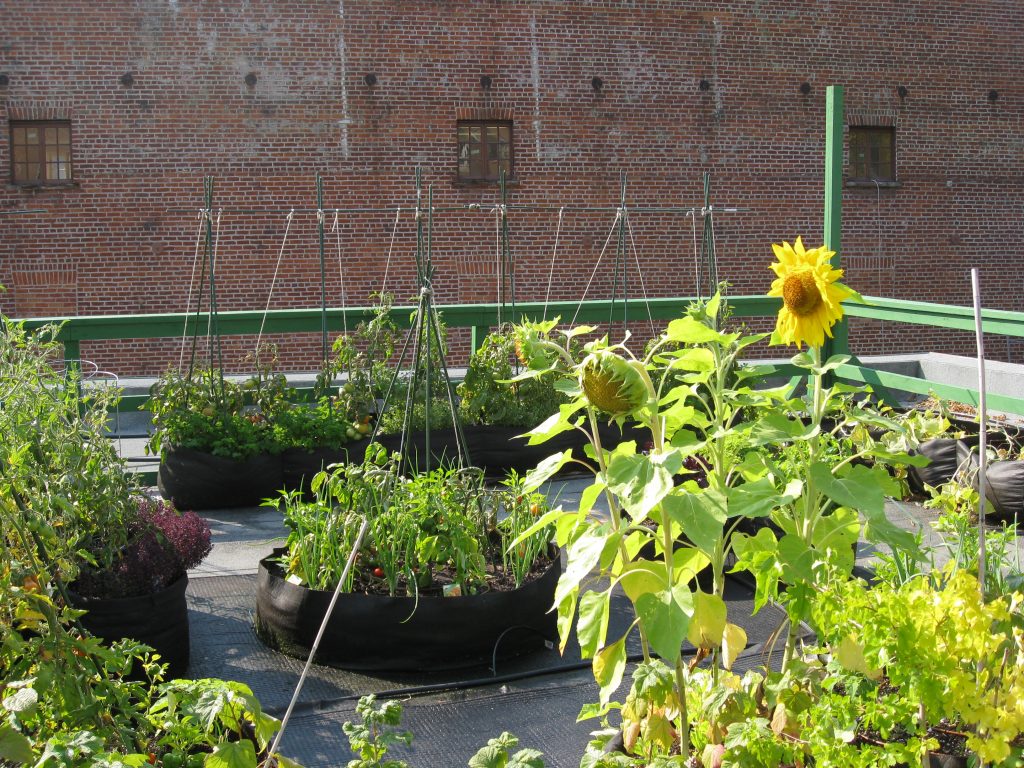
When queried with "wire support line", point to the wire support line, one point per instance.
{"points": [[554, 254], [391, 247], [480, 207], [273, 282], [640, 273], [191, 287], [611, 231]]}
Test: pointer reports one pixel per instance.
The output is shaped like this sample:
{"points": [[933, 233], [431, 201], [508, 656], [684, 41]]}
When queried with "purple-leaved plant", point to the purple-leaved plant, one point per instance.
{"points": [[163, 544]]}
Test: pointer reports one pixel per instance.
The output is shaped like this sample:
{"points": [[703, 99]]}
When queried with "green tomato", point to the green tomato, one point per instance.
{"points": [[195, 761], [172, 760]]}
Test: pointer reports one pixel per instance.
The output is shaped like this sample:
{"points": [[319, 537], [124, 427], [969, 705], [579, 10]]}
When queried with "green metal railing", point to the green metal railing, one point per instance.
{"points": [[480, 318]]}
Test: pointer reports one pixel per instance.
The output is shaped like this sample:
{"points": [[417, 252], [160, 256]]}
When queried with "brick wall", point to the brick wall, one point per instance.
{"points": [[123, 238]]}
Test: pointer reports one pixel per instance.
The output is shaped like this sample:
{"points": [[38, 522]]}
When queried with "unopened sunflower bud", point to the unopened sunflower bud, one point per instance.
{"points": [[529, 350], [612, 384]]}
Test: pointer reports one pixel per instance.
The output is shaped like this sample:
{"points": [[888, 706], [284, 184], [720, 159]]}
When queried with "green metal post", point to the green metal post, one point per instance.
{"points": [[323, 270], [834, 119], [620, 258]]}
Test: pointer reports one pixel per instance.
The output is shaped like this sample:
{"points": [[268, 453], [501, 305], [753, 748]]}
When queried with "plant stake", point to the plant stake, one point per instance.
{"points": [[982, 427], [319, 635]]}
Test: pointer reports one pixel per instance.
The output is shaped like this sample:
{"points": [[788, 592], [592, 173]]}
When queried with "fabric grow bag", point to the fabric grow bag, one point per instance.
{"points": [[375, 632], [944, 461], [299, 466], [1004, 485], [197, 480], [159, 620]]}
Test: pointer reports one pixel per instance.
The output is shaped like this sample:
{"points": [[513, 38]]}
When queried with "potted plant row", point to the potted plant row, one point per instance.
{"points": [[76, 533], [436, 582]]}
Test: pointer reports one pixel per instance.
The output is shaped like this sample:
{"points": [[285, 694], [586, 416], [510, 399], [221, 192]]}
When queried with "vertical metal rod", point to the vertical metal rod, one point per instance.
{"points": [[319, 636], [624, 252], [213, 337], [510, 265], [323, 270], [982, 428], [428, 309], [707, 245], [834, 120]]}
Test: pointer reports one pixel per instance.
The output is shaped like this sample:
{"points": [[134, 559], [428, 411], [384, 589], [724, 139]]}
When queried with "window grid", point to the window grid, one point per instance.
{"points": [[41, 152], [872, 154], [485, 149]]}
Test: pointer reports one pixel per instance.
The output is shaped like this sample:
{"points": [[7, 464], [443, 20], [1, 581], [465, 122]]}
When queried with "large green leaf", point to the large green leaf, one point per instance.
{"points": [[758, 498], [609, 664], [639, 482], [14, 746], [544, 471], [232, 754], [582, 556], [776, 427], [642, 577], [688, 330], [798, 560], [701, 515], [556, 423], [665, 617], [592, 627], [709, 619], [859, 487], [698, 359], [566, 614], [759, 555]]}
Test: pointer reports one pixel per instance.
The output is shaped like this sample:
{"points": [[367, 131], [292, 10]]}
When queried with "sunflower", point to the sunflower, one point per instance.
{"points": [[806, 283]]}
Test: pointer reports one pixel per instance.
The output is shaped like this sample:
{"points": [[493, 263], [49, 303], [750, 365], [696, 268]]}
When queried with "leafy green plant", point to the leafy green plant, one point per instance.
{"points": [[497, 753], [488, 396], [444, 520], [376, 734]]}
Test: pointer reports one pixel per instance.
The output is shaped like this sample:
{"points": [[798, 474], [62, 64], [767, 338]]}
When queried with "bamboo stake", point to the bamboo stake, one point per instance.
{"points": [[983, 429]]}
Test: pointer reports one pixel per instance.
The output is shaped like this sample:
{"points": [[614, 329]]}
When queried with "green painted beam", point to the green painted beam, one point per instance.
{"points": [[997, 321], [833, 214], [903, 383], [174, 325]]}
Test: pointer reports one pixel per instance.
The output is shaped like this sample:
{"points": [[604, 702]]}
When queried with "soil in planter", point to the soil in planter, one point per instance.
{"points": [[498, 580]]}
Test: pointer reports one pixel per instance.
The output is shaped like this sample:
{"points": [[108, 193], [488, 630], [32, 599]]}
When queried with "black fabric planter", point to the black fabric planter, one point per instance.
{"points": [[370, 632], [1004, 485], [942, 453], [159, 620], [299, 466], [197, 480]]}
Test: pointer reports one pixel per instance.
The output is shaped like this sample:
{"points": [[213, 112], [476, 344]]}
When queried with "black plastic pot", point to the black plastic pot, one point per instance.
{"points": [[197, 480], [159, 620], [371, 632]]}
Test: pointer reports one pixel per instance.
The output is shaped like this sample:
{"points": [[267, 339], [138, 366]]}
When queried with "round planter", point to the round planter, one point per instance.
{"points": [[371, 632], [159, 620], [944, 462], [197, 480], [299, 466], [1004, 484]]}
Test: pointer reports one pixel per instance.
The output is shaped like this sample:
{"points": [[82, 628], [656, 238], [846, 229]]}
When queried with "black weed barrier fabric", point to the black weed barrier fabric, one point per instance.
{"points": [[159, 620], [197, 480], [372, 632]]}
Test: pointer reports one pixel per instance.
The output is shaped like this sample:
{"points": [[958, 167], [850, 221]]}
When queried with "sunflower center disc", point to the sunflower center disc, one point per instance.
{"points": [[800, 294]]}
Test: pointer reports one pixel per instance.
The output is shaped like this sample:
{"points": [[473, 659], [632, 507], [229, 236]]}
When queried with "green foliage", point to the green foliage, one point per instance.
{"points": [[722, 452], [497, 753], [444, 519], [373, 737], [488, 396]]}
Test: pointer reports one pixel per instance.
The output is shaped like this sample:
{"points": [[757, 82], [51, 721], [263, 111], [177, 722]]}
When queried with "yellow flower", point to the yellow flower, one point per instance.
{"points": [[811, 297]]}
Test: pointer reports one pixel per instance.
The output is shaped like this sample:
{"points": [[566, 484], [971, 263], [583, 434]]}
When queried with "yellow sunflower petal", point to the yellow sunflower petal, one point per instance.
{"points": [[811, 295]]}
